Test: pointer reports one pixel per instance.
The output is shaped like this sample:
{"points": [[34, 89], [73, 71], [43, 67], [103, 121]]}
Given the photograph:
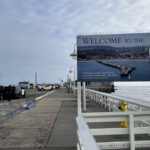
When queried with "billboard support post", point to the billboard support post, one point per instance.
{"points": [[74, 82], [84, 97], [79, 99], [35, 81]]}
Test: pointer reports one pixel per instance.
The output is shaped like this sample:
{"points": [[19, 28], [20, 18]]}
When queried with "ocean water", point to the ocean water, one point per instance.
{"points": [[135, 92], [100, 72]]}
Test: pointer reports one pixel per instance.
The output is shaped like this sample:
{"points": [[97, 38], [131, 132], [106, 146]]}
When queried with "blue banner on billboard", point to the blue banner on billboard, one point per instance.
{"points": [[115, 57]]}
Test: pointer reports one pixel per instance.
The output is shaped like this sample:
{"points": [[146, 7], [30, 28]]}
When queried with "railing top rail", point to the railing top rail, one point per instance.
{"points": [[88, 140], [130, 100]]}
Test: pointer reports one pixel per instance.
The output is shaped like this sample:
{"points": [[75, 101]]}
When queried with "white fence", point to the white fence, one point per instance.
{"points": [[85, 139], [112, 102], [130, 117], [137, 116]]}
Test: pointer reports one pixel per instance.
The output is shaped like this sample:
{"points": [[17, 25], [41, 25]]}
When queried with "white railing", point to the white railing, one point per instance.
{"points": [[137, 117], [85, 139], [112, 102], [130, 117]]}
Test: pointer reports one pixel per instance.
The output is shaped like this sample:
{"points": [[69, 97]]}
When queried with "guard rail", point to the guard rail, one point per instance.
{"points": [[111, 101]]}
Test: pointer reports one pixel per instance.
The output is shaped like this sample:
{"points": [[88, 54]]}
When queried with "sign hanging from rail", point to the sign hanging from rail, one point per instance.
{"points": [[113, 57]]}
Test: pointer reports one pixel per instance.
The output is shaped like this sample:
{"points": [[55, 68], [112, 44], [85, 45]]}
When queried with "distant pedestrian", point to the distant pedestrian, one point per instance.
{"points": [[9, 94], [68, 88]]}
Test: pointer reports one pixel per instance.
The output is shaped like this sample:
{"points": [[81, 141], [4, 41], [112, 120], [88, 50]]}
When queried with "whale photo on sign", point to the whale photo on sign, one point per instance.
{"points": [[113, 57]]}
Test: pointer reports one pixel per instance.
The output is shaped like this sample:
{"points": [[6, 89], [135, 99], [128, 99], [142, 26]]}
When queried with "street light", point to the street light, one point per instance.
{"points": [[74, 56], [73, 69], [74, 53], [70, 71]]}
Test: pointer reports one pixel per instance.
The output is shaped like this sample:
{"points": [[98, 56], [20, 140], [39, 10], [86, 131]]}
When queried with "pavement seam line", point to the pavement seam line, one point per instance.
{"points": [[53, 126]]}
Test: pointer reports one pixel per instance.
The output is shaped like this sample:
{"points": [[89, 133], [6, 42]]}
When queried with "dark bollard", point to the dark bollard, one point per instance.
{"points": [[1, 92]]}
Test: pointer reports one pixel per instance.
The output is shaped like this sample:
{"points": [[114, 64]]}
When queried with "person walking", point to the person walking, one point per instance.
{"points": [[9, 94]]}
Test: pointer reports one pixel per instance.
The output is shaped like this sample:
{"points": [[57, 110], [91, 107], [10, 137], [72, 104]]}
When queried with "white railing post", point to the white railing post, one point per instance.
{"points": [[109, 106], [113, 105], [131, 135], [105, 102], [101, 99], [140, 123], [140, 108]]}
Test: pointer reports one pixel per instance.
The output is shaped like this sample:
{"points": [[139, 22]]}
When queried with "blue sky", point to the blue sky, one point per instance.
{"points": [[39, 35]]}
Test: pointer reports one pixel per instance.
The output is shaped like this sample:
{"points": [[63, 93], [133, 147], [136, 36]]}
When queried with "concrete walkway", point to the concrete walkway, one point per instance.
{"points": [[15, 104], [48, 126]]}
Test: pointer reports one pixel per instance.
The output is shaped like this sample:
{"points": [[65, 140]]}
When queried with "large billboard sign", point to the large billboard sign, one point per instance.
{"points": [[113, 57]]}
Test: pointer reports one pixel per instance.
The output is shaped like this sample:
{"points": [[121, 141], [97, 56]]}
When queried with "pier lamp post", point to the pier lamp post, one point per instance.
{"points": [[70, 71], [74, 53], [73, 68], [35, 92], [68, 83], [74, 57]]}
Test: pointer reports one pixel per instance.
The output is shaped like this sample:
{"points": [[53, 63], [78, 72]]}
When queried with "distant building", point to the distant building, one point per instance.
{"points": [[107, 87], [24, 85]]}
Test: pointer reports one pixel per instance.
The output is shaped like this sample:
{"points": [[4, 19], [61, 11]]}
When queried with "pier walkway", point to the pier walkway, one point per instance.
{"points": [[50, 125]]}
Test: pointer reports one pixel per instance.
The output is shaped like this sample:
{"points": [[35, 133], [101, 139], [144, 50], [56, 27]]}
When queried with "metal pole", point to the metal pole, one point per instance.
{"points": [[74, 83], [70, 71], [35, 81], [79, 99], [70, 85], [84, 97]]}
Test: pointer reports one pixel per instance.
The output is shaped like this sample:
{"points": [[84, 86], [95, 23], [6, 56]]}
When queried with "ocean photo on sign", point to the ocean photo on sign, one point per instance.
{"points": [[113, 57]]}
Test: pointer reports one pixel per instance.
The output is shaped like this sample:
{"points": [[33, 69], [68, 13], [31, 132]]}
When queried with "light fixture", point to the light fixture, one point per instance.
{"points": [[74, 53]]}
